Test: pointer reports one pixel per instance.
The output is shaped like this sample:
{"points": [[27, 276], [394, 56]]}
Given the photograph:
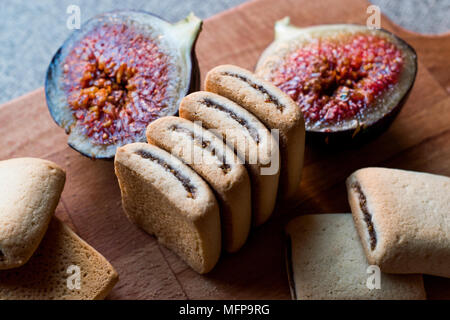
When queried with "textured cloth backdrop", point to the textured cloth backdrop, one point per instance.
{"points": [[31, 31]]}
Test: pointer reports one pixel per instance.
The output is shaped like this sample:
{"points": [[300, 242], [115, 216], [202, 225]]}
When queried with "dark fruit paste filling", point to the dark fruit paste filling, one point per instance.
{"points": [[252, 131], [205, 144], [2, 255], [337, 79], [115, 81], [289, 264], [185, 181], [366, 214], [268, 96]]}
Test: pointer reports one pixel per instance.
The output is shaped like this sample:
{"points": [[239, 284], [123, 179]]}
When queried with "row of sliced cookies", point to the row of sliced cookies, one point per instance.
{"points": [[207, 176], [399, 229], [36, 249]]}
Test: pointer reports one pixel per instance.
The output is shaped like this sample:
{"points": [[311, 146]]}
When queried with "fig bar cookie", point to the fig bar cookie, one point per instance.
{"points": [[248, 137], [52, 272], [30, 189], [403, 219], [272, 107], [168, 199], [326, 261], [217, 164]]}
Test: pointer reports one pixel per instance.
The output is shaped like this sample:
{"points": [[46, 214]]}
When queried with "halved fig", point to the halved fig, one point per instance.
{"points": [[349, 81], [118, 73]]}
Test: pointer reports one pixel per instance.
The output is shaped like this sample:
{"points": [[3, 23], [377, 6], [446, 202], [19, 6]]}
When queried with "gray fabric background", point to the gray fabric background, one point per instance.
{"points": [[31, 31]]}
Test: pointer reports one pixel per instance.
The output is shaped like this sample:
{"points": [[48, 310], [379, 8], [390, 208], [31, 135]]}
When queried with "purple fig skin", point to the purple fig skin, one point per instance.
{"points": [[355, 138], [195, 82], [53, 74]]}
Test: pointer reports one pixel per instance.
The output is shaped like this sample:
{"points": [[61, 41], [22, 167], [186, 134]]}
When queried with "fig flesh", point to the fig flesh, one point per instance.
{"points": [[349, 81], [118, 73]]}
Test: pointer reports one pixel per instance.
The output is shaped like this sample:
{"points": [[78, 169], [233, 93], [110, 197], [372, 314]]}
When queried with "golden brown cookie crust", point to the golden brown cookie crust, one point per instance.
{"points": [[242, 130], [409, 212], [45, 275], [30, 189], [205, 153], [273, 108], [166, 198]]}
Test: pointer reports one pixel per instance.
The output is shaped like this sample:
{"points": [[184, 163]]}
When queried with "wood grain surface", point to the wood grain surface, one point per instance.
{"points": [[419, 139]]}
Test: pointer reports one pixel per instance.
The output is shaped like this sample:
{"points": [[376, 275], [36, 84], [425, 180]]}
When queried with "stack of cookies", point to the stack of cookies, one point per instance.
{"points": [[400, 230], [204, 178]]}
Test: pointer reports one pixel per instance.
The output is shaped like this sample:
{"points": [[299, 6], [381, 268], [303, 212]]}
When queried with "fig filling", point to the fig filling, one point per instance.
{"points": [[252, 131], [338, 79], [267, 95], [115, 79], [205, 144], [185, 181], [366, 214], [2, 255], [290, 269]]}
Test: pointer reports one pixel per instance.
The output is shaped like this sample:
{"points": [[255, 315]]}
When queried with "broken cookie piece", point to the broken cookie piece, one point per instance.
{"points": [[62, 255], [325, 260]]}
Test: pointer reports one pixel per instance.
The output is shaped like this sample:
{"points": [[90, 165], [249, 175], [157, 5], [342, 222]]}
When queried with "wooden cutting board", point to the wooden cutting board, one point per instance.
{"points": [[419, 140]]}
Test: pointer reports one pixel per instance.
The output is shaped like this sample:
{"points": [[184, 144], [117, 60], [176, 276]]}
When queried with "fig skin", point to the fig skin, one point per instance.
{"points": [[289, 38], [187, 31]]}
